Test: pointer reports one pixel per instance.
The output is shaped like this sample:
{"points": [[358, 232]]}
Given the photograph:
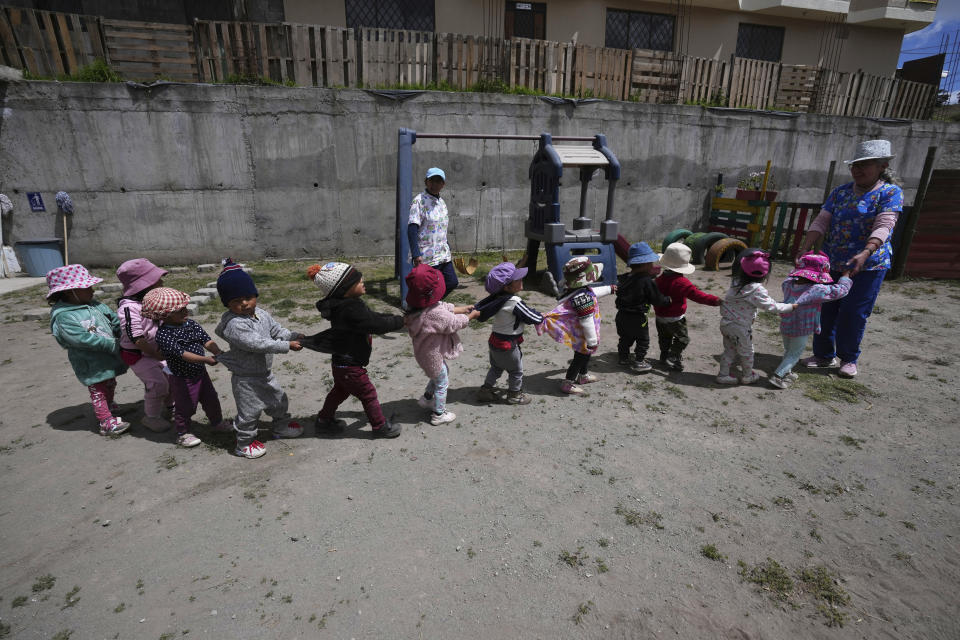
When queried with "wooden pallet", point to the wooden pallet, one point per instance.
{"points": [[655, 76], [47, 43], [150, 50]]}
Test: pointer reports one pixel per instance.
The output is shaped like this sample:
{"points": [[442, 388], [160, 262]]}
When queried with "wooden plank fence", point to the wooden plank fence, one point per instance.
{"points": [[47, 43], [703, 80], [53, 44], [147, 50], [655, 76]]}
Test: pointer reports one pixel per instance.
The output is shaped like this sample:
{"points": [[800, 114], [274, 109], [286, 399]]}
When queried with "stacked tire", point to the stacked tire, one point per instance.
{"points": [[706, 248]]}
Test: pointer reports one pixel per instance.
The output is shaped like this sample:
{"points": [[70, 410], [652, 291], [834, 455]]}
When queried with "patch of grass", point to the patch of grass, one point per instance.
{"points": [[909, 525], [471, 553], [816, 535], [826, 389], [63, 634], [637, 519], [537, 543], [71, 598], [574, 559], [601, 565], [675, 391], [603, 542], [783, 502], [19, 601], [582, 609], [852, 442], [120, 607], [823, 585], [770, 576], [166, 461], [710, 552], [43, 583]]}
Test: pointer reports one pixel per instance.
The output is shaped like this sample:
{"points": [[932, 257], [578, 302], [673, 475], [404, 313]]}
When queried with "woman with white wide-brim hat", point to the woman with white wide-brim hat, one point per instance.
{"points": [[855, 223]]}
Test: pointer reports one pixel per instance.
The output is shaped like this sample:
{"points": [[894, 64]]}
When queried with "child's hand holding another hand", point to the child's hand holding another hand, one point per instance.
{"points": [[295, 345]]}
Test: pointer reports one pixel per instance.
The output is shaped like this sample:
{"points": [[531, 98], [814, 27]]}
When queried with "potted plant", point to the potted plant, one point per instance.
{"points": [[748, 187]]}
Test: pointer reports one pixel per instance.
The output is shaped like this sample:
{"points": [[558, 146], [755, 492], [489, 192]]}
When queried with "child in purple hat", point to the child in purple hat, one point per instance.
{"points": [[510, 314], [808, 286], [433, 327], [138, 344]]}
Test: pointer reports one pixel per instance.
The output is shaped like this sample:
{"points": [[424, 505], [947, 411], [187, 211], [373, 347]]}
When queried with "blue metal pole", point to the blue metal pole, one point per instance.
{"points": [[401, 260]]}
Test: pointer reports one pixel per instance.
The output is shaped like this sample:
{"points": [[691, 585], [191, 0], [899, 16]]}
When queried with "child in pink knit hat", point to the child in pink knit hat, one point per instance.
{"points": [[433, 326]]}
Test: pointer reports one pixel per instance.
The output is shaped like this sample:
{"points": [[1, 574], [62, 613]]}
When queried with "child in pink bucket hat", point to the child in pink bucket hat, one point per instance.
{"points": [[808, 286], [138, 345], [90, 331]]}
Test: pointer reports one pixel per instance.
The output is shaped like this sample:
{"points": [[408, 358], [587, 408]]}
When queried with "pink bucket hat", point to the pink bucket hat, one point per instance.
{"points": [[163, 300], [814, 267], [72, 276], [138, 274]]}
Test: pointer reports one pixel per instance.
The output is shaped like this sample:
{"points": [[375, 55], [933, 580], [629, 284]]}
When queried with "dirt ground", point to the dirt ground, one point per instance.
{"points": [[661, 505]]}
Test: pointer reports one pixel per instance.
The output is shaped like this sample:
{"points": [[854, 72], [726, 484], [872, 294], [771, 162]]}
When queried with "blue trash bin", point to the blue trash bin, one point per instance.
{"points": [[39, 255]]}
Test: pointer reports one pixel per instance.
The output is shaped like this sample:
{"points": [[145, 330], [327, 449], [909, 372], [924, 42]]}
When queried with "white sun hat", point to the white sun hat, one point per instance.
{"points": [[872, 150]]}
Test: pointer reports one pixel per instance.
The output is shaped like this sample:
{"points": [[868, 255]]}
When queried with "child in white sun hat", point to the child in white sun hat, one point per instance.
{"points": [[90, 332]]}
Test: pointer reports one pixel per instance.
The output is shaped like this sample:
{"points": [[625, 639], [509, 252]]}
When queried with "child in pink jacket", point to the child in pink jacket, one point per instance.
{"points": [[433, 326]]}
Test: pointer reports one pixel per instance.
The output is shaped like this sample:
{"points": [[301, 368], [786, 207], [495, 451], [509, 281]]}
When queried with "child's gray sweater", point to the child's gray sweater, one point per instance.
{"points": [[253, 340]]}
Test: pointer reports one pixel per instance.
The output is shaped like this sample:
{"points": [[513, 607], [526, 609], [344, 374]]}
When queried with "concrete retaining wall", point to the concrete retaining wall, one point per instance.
{"points": [[192, 173]]}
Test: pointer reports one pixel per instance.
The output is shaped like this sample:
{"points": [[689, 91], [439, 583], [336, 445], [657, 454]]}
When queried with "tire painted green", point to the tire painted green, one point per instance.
{"points": [[691, 239], [677, 235], [703, 243]]}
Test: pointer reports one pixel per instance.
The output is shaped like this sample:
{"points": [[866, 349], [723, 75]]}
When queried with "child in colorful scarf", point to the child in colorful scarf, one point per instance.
{"points": [[575, 321]]}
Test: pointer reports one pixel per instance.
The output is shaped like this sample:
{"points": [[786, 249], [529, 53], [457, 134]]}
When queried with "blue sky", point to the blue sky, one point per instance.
{"points": [[927, 41]]}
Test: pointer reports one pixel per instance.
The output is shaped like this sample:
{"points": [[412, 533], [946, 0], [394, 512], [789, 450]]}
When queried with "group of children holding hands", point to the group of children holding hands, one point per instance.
{"points": [[152, 334]]}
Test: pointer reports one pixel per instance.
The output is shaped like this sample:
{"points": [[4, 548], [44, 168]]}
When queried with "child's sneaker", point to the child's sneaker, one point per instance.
{"points": [[157, 424], [187, 440], [750, 378], [641, 366], [485, 394], [674, 363], [425, 402], [290, 430], [587, 378], [388, 429], [813, 362], [113, 427], [224, 426], [727, 379], [253, 450], [442, 418], [778, 382], [517, 397], [848, 370], [328, 426], [571, 387]]}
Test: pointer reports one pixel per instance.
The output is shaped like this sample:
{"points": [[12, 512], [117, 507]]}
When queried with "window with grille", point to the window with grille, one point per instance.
{"points": [[760, 42], [525, 20], [639, 30], [417, 15]]}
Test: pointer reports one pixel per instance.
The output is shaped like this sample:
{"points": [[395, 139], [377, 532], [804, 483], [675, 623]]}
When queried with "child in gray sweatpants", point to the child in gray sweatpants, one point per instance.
{"points": [[509, 314], [254, 336]]}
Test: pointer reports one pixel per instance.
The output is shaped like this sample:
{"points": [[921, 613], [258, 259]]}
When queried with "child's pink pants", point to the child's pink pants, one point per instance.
{"points": [[101, 395], [156, 386]]}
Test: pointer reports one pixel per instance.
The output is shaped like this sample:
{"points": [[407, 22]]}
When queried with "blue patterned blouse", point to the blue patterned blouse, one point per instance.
{"points": [[851, 221]]}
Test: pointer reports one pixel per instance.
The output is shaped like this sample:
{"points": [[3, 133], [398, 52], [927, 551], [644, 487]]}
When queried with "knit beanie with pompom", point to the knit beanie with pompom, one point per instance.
{"points": [[334, 279]]}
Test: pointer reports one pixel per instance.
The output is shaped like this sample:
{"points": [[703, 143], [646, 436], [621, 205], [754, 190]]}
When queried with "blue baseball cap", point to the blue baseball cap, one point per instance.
{"points": [[640, 253], [435, 171]]}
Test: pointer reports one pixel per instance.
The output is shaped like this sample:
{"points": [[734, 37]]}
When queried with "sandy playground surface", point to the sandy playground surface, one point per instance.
{"points": [[661, 505]]}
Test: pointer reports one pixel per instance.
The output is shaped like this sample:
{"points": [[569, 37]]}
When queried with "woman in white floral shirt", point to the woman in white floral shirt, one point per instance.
{"points": [[427, 229]]}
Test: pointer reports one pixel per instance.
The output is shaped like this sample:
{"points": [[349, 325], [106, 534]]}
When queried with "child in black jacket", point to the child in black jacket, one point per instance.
{"points": [[349, 340], [636, 291]]}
